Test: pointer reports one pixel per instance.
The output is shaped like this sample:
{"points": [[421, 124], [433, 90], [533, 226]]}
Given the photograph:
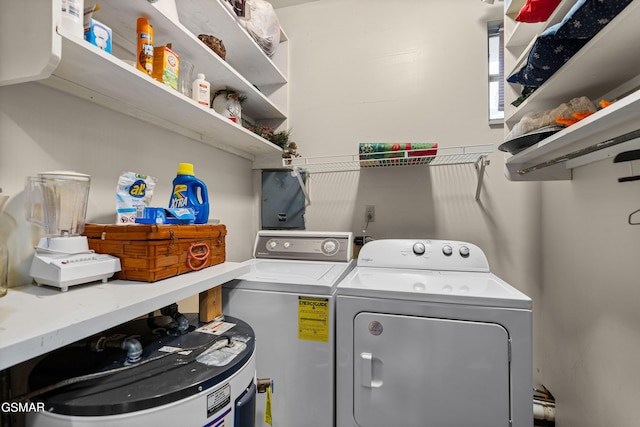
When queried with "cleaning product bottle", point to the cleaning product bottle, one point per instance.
{"points": [[144, 62], [190, 192], [72, 16], [200, 91]]}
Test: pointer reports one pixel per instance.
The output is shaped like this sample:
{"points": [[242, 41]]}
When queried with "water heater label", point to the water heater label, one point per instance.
{"points": [[313, 319], [218, 400]]}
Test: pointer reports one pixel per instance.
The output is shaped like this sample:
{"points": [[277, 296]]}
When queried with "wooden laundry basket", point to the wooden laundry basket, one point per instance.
{"points": [[150, 253]]}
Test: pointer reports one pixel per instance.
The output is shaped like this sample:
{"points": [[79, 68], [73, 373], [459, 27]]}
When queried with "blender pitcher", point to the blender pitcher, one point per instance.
{"points": [[57, 202]]}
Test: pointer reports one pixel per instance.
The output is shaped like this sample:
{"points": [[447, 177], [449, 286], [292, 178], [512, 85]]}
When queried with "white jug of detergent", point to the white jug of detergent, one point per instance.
{"points": [[72, 13]]}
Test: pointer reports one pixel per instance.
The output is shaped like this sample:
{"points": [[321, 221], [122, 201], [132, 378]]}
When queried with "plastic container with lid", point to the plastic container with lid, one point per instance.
{"points": [[190, 192]]}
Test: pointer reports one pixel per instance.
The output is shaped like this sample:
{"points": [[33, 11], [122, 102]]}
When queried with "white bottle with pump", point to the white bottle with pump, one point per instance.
{"points": [[200, 91]]}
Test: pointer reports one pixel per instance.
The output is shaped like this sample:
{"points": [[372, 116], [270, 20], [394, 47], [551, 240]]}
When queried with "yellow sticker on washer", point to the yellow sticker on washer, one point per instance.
{"points": [[313, 319]]}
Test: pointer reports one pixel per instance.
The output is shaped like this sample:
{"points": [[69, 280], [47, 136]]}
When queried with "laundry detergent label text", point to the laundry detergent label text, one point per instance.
{"points": [[179, 198]]}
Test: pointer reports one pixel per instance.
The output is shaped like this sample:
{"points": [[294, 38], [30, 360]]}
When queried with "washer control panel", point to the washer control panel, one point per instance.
{"points": [[448, 255], [304, 245]]}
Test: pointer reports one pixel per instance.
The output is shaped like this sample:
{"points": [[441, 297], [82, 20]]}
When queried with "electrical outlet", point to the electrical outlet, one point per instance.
{"points": [[369, 213]]}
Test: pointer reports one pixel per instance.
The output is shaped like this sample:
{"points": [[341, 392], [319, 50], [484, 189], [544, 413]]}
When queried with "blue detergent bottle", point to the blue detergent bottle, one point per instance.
{"points": [[190, 192]]}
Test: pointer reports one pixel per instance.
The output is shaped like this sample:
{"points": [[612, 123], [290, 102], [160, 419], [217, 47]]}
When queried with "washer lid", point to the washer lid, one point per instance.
{"points": [[484, 289], [293, 276]]}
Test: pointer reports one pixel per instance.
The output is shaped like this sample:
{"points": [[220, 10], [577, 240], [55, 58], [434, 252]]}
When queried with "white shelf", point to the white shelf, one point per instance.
{"points": [[243, 53], [447, 156], [601, 65], [584, 142], [605, 68], [36, 320], [512, 7], [524, 33], [85, 71]]}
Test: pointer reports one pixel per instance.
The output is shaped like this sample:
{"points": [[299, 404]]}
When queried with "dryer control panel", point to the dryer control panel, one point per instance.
{"points": [[304, 245], [447, 255]]}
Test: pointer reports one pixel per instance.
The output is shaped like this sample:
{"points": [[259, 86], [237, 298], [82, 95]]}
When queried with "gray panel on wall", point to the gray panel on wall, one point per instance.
{"points": [[283, 202]]}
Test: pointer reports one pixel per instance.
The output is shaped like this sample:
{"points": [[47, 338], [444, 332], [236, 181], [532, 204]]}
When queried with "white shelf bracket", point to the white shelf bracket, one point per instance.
{"points": [[480, 167], [296, 172]]}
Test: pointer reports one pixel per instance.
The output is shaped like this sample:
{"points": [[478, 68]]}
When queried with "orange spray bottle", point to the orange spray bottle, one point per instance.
{"points": [[144, 61]]}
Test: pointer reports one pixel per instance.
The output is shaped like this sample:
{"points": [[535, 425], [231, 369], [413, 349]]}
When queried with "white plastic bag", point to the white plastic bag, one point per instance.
{"points": [[133, 194], [262, 24]]}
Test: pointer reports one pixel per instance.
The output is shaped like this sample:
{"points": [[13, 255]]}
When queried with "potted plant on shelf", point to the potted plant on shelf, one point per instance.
{"points": [[279, 138]]}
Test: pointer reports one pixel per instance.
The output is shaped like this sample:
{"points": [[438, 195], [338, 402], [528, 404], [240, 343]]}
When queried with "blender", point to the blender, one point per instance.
{"points": [[57, 202]]}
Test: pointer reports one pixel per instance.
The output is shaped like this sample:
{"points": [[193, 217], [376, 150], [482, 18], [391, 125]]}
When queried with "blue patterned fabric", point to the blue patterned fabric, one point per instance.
{"points": [[587, 17], [547, 55], [555, 46]]}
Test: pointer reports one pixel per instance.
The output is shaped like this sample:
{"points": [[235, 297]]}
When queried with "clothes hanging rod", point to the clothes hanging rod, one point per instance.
{"points": [[627, 156], [583, 151]]}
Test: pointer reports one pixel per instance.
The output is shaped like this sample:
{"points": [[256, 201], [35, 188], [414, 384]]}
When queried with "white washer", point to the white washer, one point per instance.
{"points": [[427, 336], [288, 298]]}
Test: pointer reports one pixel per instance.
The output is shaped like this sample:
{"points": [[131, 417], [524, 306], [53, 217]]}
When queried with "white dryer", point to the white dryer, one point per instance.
{"points": [[427, 336], [288, 298]]}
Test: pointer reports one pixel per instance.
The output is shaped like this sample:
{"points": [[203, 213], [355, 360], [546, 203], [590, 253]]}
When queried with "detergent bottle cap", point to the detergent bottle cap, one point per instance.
{"points": [[185, 169]]}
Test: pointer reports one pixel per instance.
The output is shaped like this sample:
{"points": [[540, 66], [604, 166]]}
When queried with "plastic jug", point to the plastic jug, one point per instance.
{"points": [[190, 192], [57, 202]]}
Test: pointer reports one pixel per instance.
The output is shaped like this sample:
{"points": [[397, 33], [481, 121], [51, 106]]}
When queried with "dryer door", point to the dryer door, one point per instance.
{"points": [[427, 372]]}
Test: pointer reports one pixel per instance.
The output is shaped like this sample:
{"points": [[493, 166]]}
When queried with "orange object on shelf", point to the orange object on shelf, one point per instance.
{"points": [[144, 60]]}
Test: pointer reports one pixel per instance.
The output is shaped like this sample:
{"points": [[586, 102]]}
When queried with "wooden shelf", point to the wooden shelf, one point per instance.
{"points": [[36, 320]]}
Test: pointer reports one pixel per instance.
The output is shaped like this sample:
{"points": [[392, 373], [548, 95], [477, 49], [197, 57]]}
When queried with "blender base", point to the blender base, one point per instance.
{"points": [[75, 266]]}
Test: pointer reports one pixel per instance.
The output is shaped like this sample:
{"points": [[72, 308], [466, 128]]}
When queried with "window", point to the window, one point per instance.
{"points": [[496, 72]]}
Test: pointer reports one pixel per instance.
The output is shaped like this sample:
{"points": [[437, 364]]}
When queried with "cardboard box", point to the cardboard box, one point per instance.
{"points": [[99, 35], [166, 64]]}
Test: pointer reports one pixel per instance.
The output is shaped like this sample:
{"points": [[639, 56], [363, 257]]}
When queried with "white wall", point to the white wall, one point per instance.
{"points": [[42, 129], [370, 71], [415, 71], [590, 295]]}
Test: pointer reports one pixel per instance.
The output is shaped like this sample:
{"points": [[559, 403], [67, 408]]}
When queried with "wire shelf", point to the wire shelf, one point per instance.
{"points": [[356, 162]]}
